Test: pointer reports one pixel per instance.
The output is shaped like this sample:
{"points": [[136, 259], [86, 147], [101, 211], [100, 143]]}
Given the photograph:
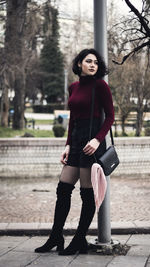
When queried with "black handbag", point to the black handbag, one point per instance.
{"points": [[109, 160]]}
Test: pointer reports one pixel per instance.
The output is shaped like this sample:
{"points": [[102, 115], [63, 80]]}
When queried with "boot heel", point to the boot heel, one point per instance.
{"points": [[83, 251], [60, 246]]}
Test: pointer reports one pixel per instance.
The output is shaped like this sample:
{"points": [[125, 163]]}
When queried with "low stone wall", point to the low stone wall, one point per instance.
{"points": [[40, 157]]}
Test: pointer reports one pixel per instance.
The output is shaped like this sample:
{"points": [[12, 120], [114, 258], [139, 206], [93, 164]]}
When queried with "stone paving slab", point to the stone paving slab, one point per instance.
{"points": [[91, 260], [19, 252], [144, 240], [8, 243], [33, 201], [139, 251], [15, 259], [128, 261]]}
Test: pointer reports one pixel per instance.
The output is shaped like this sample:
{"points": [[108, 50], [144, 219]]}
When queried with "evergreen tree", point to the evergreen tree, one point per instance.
{"points": [[52, 58]]}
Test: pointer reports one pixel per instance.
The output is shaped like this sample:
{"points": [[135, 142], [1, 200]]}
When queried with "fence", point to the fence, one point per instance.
{"points": [[40, 157]]}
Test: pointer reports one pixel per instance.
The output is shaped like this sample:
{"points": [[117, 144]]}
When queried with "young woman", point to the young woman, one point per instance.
{"points": [[77, 157]]}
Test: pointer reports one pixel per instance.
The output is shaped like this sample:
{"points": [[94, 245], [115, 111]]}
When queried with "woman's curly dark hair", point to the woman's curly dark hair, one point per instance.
{"points": [[102, 69]]}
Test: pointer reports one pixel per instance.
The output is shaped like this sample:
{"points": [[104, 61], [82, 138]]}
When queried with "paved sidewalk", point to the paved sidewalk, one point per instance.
{"points": [[33, 200], [27, 208], [19, 252]]}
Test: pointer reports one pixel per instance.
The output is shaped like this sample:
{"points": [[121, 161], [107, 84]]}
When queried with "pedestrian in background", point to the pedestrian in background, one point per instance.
{"points": [[77, 157]]}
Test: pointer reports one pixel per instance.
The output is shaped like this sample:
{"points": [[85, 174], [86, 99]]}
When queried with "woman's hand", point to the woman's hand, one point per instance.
{"points": [[91, 147], [64, 155]]}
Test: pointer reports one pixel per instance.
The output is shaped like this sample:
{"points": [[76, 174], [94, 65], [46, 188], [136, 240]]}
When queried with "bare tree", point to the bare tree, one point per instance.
{"points": [[138, 29], [122, 93], [76, 33], [23, 26], [14, 45], [132, 40], [4, 84], [4, 78], [140, 84], [33, 34], [118, 75], [13, 64]]}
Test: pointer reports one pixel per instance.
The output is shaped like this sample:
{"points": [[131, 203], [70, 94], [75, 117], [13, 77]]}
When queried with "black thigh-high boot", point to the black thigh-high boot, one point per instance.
{"points": [[64, 191], [79, 243]]}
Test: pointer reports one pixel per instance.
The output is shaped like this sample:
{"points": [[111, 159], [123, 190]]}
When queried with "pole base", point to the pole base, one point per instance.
{"points": [[96, 244], [111, 248]]}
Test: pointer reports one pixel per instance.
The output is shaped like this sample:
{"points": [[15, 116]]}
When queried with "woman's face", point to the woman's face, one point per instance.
{"points": [[89, 65]]}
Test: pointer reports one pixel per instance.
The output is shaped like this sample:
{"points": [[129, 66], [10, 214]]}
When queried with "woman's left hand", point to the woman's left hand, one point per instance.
{"points": [[91, 147]]}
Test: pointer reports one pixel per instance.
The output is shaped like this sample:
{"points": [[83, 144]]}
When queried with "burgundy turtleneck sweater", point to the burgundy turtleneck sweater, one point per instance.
{"points": [[79, 103]]}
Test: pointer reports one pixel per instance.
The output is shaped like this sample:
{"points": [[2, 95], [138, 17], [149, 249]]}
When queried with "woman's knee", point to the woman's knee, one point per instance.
{"points": [[85, 177], [69, 174]]}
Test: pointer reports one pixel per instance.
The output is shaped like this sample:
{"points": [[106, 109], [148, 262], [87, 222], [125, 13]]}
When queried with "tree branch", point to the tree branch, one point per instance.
{"points": [[134, 40], [136, 49], [141, 19], [134, 30]]}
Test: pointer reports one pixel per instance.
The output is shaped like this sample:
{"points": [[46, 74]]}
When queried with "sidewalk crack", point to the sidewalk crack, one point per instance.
{"points": [[29, 263], [11, 249], [75, 256], [147, 261]]}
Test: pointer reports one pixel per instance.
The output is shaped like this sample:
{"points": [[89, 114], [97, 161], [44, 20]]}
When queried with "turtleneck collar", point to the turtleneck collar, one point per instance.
{"points": [[87, 79]]}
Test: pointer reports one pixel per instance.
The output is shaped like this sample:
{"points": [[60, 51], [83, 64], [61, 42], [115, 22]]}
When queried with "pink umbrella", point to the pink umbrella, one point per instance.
{"points": [[99, 184]]}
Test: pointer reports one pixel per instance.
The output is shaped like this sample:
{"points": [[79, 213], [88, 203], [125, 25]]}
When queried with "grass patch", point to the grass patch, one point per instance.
{"points": [[9, 132], [29, 109], [44, 122], [128, 134], [40, 133]]}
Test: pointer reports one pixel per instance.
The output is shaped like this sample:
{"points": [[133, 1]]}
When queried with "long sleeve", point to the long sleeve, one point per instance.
{"points": [[105, 97], [79, 104], [71, 123], [70, 128]]}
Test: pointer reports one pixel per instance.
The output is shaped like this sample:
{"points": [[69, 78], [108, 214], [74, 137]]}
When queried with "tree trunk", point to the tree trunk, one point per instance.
{"points": [[123, 126], [4, 101], [139, 122], [19, 85], [4, 108], [14, 51]]}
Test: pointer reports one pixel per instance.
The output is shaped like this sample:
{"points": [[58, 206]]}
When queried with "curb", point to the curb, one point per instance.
{"points": [[71, 231]]}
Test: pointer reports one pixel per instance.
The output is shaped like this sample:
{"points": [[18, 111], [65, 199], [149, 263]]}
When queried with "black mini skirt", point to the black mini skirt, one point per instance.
{"points": [[79, 138]]}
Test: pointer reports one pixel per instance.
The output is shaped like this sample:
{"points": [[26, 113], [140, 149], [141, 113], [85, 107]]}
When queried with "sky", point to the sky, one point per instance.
{"points": [[85, 7], [122, 6]]}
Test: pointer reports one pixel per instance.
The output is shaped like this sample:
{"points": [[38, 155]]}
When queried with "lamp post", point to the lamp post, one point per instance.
{"points": [[65, 87], [100, 43]]}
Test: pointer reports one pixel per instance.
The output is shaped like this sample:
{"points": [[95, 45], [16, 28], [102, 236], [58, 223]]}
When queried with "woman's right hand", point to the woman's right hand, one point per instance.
{"points": [[65, 154]]}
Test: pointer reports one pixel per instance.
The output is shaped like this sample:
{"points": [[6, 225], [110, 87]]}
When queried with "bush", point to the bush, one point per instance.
{"points": [[26, 134], [147, 131], [146, 124], [49, 108], [58, 130]]}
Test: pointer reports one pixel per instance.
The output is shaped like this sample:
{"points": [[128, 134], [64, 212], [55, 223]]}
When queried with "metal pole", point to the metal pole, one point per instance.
{"points": [[65, 87], [100, 43]]}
